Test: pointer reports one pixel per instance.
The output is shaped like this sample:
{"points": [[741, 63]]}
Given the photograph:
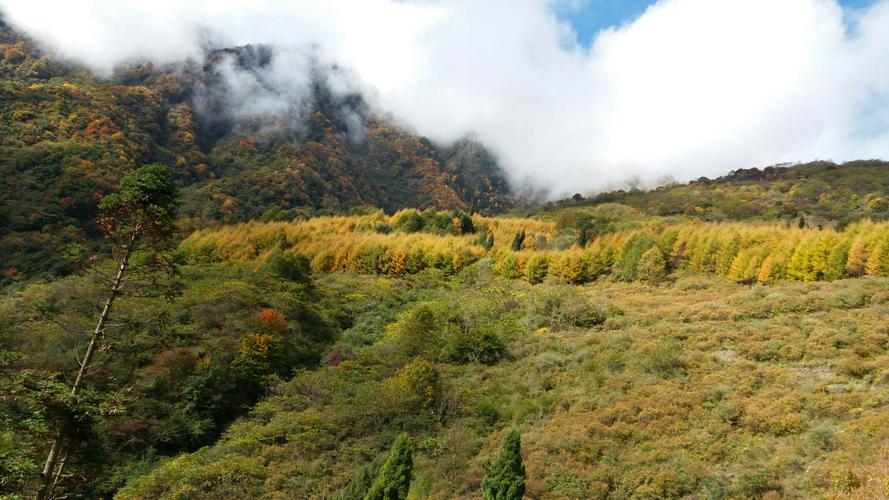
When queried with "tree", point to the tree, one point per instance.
{"points": [[138, 221], [856, 262], [652, 266], [507, 266], [878, 260], [394, 480], [418, 383], [727, 252], [290, 266], [464, 223], [361, 482], [536, 268], [631, 253], [518, 241], [505, 479], [836, 261]]}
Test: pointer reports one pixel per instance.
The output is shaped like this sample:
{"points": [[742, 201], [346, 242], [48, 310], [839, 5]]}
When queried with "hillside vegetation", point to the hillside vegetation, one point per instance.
{"points": [[648, 250], [637, 355], [200, 303], [701, 389], [821, 192], [67, 136]]}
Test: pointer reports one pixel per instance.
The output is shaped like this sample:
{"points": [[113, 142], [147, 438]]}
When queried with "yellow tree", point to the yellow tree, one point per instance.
{"points": [[857, 259]]}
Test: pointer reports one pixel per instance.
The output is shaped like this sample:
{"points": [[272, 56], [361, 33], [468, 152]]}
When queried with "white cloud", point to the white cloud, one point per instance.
{"points": [[690, 88]]}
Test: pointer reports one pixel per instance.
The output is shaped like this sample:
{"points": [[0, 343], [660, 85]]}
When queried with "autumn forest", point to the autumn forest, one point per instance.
{"points": [[327, 304]]}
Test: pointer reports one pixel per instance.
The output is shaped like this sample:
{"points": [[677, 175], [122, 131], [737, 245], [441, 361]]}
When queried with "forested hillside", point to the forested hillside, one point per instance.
{"points": [[67, 136], [821, 193], [201, 299], [612, 241]]}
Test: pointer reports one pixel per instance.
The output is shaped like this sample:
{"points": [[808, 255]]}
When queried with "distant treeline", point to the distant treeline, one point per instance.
{"points": [[535, 250]]}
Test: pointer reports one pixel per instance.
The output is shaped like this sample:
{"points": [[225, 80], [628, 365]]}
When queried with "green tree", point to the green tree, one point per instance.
{"points": [[505, 479], [137, 220], [489, 242], [626, 266], [536, 268], [507, 266], [465, 222], [290, 266], [361, 482], [394, 480], [518, 241]]}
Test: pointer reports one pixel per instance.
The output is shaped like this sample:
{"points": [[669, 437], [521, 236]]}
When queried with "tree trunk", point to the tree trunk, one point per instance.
{"points": [[50, 474]]}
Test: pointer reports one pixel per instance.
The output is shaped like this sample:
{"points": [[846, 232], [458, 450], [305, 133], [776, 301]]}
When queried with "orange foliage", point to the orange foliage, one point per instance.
{"points": [[272, 319]]}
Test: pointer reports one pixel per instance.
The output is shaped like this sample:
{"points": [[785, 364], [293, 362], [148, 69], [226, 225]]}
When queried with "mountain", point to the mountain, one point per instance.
{"points": [[821, 192], [66, 136]]}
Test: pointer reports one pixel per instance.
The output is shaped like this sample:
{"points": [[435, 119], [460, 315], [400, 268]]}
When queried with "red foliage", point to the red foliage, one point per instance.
{"points": [[272, 320], [334, 357]]}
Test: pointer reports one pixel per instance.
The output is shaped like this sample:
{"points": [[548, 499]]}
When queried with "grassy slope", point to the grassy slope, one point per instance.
{"points": [[699, 387]]}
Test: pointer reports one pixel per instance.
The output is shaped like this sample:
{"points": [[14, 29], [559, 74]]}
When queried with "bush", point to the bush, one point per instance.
{"points": [[661, 359], [290, 266], [507, 266], [473, 347], [558, 307], [535, 269], [651, 267], [419, 382]]}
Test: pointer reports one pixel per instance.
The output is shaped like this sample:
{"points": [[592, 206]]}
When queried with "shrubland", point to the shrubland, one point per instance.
{"points": [[699, 388], [637, 356]]}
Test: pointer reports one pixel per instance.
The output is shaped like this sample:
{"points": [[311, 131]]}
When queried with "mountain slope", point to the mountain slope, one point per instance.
{"points": [[822, 192], [66, 136]]}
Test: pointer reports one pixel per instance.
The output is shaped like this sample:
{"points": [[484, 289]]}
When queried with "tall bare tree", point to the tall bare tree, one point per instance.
{"points": [[137, 220]]}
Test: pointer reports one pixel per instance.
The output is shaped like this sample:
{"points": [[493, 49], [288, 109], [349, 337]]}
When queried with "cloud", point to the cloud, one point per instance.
{"points": [[689, 88]]}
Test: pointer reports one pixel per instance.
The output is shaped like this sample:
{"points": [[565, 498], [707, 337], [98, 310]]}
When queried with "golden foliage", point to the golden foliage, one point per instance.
{"points": [[742, 252]]}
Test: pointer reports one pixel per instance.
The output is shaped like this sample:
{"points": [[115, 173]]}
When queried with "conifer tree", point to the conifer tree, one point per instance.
{"points": [[836, 261], [740, 271], [518, 241], [857, 260], [878, 260], [727, 253], [489, 242], [394, 479], [505, 479], [139, 217]]}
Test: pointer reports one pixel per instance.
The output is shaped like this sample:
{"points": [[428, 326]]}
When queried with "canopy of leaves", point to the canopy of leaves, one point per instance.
{"points": [[145, 203]]}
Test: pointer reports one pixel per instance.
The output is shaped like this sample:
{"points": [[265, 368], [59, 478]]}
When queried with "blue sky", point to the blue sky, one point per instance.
{"points": [[589, 16]]}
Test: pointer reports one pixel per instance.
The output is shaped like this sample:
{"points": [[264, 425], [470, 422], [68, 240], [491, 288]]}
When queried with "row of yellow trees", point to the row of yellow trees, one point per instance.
{"points": [[742, 252]]}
